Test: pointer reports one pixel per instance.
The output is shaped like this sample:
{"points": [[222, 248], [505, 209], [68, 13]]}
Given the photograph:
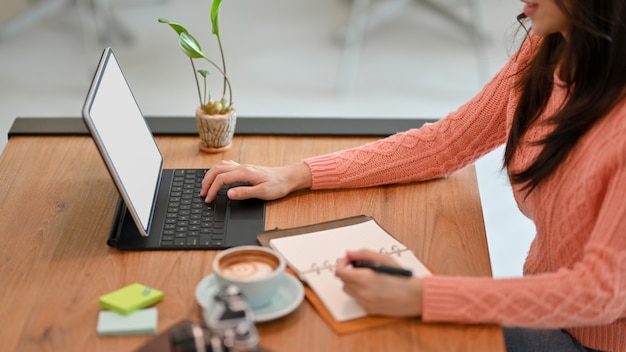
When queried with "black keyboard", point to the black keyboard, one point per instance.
{"points": [[190, 222]]}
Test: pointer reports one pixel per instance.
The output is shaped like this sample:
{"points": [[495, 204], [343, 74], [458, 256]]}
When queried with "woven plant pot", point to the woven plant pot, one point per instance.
{"points": [[216, 131]]}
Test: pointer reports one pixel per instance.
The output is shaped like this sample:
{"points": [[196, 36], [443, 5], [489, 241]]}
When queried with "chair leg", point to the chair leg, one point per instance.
{"points": [[366, 15], [352, 40], [469, 25], [34, 14], [108, 27], [481, 41]]}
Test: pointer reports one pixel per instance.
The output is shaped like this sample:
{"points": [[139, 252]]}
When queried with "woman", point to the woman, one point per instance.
{"points": [[559, 105]]}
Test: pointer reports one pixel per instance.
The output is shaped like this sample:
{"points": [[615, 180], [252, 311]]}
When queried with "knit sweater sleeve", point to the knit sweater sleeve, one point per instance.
{"points": [[432, 151], [592, 292]]}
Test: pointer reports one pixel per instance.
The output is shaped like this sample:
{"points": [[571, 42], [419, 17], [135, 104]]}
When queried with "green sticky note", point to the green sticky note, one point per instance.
{"points": [[141, 322], [130, 298]]}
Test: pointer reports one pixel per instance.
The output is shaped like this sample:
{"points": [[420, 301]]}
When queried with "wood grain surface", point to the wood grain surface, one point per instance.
{"points": [[56, 206]]}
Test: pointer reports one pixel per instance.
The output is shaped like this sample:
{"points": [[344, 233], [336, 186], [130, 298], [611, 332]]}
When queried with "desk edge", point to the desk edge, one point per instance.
{"points": [[301, 126]]}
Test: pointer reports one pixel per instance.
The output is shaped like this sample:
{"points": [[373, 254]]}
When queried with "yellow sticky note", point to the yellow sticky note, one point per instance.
{"points": [[130, 298]]}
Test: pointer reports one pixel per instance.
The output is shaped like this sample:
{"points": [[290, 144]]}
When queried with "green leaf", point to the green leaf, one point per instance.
{"points": [[204, 73], [215, 14], [177, 27], [190, 46]]}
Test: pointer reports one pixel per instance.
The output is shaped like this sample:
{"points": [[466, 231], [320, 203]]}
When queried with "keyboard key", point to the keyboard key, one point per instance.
{"points": [[189, 220]]}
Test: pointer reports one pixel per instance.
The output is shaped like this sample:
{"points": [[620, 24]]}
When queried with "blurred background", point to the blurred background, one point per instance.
{"points": [[285, 58]]}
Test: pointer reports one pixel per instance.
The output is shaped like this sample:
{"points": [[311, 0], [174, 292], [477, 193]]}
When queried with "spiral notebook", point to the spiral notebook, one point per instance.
{"points": [[312, 251]]}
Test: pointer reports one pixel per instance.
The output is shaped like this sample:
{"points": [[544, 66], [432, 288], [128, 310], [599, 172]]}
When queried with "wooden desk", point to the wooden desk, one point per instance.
{"points": [[57, 202]]}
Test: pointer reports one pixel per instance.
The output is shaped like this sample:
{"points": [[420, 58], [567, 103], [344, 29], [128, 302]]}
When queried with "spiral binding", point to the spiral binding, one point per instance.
{"points": [[330, 267]]}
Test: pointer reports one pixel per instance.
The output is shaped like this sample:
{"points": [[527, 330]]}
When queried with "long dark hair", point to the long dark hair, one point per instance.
{"points": [[591, 63]]}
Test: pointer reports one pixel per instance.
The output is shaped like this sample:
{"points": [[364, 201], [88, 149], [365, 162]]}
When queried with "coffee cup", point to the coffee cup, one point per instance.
{"points": [[257, 271]]}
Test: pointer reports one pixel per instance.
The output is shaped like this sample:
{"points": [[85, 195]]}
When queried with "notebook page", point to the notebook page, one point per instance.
{"points": [[313, 257], [330, 291]]}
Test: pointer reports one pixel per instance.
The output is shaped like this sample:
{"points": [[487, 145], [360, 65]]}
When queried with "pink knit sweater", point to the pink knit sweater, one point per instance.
{"points": [[575, 272]]}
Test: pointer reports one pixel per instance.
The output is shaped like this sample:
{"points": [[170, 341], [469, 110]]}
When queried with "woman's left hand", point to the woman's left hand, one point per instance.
{"points": [[380, 294]]}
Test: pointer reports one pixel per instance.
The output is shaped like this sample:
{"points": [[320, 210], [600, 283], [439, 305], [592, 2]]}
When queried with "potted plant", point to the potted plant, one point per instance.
{"points": [[215, 119]]}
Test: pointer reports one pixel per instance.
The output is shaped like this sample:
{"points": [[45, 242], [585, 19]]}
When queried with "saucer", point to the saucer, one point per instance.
{"points": [[289, 296]]}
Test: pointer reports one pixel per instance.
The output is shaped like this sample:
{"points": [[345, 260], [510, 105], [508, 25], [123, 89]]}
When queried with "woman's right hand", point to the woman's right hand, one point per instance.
{"points": [[266, 183]]}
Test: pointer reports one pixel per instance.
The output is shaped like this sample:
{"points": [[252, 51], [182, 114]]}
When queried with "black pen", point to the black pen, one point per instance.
{"points": [[382, 268]]}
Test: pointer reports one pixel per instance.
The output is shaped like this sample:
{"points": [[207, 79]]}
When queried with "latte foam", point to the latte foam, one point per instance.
{"points": [[248, 270]]}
